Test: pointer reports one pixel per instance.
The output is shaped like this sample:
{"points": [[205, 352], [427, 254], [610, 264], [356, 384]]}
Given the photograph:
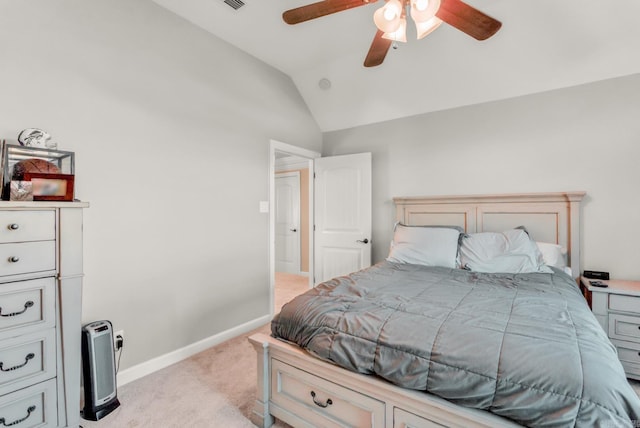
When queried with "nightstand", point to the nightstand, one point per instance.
{"points": [[617, 309]]}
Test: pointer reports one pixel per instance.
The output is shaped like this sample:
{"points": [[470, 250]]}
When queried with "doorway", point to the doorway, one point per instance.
{"points": [[289, 225], [289, 278]]}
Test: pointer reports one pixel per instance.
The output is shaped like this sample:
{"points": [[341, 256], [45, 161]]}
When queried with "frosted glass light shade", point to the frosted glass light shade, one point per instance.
{"points": [[425, 28], [400, 35], [424, 10], [388, 17]]}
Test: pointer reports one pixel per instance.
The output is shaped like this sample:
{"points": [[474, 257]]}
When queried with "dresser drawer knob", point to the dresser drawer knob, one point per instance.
{"points": [[28, 357], [14, 259], [30, 410], [319, 403], [27, 305], [13, 226]]}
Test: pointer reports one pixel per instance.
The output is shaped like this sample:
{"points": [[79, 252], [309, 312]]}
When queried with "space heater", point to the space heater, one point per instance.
{"points": [[98, 370]]}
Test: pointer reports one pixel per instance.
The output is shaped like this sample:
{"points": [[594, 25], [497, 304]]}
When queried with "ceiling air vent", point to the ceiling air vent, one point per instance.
{"points": [[236, 4]]}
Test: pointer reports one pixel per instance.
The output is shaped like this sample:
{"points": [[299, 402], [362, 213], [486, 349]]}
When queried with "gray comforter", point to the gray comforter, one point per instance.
{"points": [[525, 347]]}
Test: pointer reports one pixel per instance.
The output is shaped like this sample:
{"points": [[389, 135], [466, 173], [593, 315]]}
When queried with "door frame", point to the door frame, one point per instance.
{"points": [[280, 147]]}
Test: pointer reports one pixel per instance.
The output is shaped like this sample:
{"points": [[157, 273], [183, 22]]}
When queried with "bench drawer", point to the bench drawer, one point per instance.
{"points": [[322, 402], [404, 419]]}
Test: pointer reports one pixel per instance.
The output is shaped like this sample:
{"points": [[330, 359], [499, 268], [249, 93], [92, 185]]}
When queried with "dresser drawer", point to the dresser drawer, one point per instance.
{"points": [[24, 226], [321, 402], [618, 302], [27, 359], [27, 306], [30, 407], [624, 327], [629, 356], [27, 257]]}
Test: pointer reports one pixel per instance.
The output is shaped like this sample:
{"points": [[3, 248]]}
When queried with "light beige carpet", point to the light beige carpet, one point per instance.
{"points": [[215, 388]]}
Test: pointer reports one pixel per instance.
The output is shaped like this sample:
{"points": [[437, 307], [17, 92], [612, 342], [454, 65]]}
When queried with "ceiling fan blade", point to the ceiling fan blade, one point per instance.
{"points": [[468, 19], [321, 8], [378, 50]]}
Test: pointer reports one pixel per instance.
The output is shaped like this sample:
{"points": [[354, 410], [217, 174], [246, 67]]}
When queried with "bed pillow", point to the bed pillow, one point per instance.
{"points": [[512, 251], [425, 245], [553, 254]]}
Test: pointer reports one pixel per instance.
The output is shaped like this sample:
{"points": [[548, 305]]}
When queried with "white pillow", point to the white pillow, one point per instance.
{"points": [[511, 251], [553, 254], [423, 245]]}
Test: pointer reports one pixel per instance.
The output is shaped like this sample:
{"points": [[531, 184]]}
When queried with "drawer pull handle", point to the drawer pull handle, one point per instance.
{"points": [[30, 410], [28, 357], [13, 226], [14, 259], [319, 404], [27, 305]]}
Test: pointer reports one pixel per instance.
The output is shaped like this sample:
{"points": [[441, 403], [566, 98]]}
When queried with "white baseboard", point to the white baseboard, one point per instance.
{"points": [[155, 364]]}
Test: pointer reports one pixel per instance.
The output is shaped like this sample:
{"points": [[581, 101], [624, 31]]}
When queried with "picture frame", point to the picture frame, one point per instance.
{"points": [[51, 187]]}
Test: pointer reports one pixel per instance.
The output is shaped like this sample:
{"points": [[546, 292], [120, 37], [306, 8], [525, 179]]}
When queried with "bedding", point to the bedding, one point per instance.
{"points": [[425, 245], [522, 346], [511, 251], [553, 254]]}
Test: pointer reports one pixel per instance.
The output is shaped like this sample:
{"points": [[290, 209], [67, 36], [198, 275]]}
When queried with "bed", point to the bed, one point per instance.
{"points": [[405, 343]]}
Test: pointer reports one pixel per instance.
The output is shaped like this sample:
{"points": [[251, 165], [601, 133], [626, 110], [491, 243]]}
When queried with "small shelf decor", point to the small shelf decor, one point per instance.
{"points": [[21, 162]]}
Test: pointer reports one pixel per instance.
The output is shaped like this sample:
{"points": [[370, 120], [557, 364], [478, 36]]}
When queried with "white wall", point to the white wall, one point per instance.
{"points": [[171, 130], [580, 138]]}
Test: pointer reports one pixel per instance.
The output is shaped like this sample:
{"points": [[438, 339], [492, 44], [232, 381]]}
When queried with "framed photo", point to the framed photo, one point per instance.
{"points": [[50, 187]]}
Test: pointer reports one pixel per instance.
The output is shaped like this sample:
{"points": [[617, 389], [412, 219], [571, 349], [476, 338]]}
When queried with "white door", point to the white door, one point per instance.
{"points": [[342, 215], [287, 222]]}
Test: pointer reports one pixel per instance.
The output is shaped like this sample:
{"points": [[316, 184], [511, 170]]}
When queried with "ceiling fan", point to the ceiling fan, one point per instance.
{"points": [[390, 20]]}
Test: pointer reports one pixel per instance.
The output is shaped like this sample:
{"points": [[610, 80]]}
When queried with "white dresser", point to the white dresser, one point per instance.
{"points": [[40, 313]]}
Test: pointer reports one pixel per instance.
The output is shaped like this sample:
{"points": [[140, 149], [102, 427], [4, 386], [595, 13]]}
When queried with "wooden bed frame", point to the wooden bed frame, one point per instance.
{"points": [[304, 391]]}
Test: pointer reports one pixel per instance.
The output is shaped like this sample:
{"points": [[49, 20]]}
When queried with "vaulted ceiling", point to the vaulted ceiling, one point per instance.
{"points": [[543, 45]]}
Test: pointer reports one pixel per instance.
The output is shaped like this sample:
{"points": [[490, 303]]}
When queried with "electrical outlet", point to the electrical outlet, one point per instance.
{"points": [[118, 340]]}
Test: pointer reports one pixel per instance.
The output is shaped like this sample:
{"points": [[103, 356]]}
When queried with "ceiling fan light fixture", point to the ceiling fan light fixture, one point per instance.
{"points": [[400, 35], [420, 4], [388, 17], [424, 10], [426, 28]]}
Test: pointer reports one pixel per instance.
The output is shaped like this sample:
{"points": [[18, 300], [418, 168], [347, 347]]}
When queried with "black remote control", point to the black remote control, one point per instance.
{"points": [[598, 284]]}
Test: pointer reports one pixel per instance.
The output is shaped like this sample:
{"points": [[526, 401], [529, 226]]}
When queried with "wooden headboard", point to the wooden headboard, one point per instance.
{"points": [[549, 217]]}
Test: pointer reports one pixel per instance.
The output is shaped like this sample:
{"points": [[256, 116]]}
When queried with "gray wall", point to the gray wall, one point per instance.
{"points": [[171, 130], [579, 138]]}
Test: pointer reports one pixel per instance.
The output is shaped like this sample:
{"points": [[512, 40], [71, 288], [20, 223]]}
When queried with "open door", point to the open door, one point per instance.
{"points": [[342, 215], [287, 222]]}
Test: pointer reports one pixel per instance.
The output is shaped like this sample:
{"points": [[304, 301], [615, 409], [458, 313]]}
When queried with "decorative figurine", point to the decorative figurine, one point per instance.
{"points": [[34, 137]]}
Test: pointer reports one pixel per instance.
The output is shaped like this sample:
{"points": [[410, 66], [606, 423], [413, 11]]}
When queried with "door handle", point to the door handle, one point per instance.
{"points": [[293, 230], [363, 241]]}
